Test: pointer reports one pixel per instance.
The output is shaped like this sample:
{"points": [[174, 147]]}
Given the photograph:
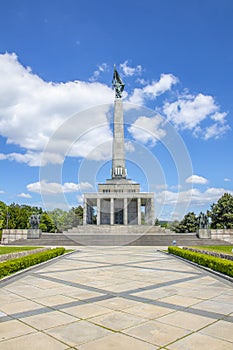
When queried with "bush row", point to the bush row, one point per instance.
{"points": [[217, 264], [14, 265]]}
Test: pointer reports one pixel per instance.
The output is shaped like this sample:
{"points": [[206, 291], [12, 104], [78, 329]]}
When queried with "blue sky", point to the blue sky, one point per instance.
{"points": [[56, 66]]}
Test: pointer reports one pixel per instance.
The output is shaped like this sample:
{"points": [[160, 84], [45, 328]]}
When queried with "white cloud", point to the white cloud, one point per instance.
{"points": [[1, 191], [161, 186], [215, 131], [24, 195], [80, 199], [32, 158], [192, 196], [31, 109], [227, 179], [189, 111], [45, 187], [151, 91], [146, 129], [92, 145], [101, 68], [129, 147], [130, 71], [195, 179]]}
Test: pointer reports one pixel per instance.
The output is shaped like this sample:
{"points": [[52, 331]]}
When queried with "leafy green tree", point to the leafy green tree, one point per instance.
{"points": [[156, 222], [188, 224], [221, 213], [173, 225], [79, 214], [46, 223], [58, 217]]}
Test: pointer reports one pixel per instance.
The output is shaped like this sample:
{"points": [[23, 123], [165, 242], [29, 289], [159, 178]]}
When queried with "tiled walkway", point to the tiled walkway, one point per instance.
{"points": [[104, 298]]}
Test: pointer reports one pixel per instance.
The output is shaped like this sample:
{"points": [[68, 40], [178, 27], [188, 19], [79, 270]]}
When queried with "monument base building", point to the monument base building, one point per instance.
{"points": [[118, 200], [119, 203]]}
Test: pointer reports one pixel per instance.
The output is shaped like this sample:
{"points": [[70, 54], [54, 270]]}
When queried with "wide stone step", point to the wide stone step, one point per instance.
{"points": [[114, 240]]}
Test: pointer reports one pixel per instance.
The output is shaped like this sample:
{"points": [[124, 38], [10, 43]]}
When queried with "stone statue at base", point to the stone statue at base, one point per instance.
{"points": [[203, 222], [34, 221], [34, 231]]}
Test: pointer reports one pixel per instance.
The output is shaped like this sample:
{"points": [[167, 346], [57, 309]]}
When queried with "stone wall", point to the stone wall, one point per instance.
{"points": [[11, 235], [223, 234]]}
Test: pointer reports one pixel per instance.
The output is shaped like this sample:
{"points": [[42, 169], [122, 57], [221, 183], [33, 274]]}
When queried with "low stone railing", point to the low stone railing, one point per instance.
{"points": [[5, 257], [216, 254], [223, 234]]}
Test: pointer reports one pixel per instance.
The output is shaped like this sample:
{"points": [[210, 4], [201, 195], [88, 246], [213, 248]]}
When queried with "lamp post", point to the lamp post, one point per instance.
{"points": [[7, 218]]}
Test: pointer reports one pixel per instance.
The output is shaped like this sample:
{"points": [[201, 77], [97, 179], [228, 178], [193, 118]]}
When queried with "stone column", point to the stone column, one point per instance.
{"points": [[147, 212], [118, 151], [139, 211], [112, 211], [85, 212], [98, 211], [125, 211], [152, 211]]}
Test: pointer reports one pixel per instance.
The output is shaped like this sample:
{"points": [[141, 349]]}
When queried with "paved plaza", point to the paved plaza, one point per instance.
{"points": [[103, 298]]}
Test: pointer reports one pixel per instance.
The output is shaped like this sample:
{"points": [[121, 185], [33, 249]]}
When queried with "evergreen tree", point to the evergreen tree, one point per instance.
{"points": [[221, 213], [188, 224]]}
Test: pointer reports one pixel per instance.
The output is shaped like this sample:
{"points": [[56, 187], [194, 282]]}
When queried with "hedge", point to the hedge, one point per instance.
{"points": [[14, 265], [221, 265]]}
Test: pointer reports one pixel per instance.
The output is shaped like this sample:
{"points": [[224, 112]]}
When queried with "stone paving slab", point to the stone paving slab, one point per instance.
{"points": [[116, 298]]}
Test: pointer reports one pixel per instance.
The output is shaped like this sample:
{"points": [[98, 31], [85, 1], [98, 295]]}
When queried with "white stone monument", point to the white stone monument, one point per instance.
{"points": [[118, 200]]}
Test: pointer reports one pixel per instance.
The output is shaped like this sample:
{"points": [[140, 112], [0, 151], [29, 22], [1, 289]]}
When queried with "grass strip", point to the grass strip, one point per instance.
{"points": [[217, 264], [8, 250], [219, 248], [14, 265]]}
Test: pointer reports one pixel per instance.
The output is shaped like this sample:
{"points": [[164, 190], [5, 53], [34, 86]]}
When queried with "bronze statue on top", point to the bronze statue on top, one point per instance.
{"points": [[117, 83]]}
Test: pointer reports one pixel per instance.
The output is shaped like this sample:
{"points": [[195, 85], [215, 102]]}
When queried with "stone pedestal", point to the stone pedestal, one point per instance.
{"points": [[33, 233], [204, 233]]}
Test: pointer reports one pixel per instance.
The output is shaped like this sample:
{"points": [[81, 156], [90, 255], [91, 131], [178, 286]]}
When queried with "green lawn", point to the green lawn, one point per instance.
{"points": [[8, 250], [219, 248]]}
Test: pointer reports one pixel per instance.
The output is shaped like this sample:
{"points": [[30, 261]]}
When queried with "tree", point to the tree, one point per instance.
{"points": [[156, 222], [188, 224], [221, 213], [79, 214], [46, 223]]}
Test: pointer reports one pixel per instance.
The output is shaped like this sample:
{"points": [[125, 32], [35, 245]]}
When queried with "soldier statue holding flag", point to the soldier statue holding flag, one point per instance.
{"points": [[117, 83]]}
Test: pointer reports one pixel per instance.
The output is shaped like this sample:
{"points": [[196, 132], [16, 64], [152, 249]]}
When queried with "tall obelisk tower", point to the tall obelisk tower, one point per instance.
{"points": [[118, 153], [119, 200]]}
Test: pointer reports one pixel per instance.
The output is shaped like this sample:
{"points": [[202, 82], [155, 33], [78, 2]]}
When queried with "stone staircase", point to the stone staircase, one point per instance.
{"points": [[118, 240], [117, 230]]}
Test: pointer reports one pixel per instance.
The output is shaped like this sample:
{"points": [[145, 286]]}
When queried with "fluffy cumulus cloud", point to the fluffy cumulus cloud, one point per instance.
{"points": [[31, 109], [148, 130], [189, 111], [101, 69], [44, 187], [130, 71], [33, 158], [151, 91], [24, 195], [193, 196], [196, 179]]}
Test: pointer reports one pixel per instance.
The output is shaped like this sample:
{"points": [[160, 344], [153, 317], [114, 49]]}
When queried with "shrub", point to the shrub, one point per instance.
{"points": [[221, 265], [14, 265]]}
